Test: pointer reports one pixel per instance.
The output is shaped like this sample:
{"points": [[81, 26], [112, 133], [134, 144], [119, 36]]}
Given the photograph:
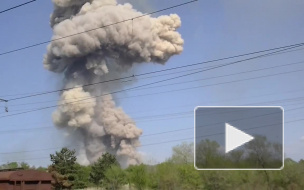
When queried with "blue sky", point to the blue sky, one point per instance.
{"points": [[211, 30]]}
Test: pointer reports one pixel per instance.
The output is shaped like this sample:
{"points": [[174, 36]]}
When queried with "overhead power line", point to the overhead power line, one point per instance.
{"points": [[218, 133], [153, 118], [208, 78], [38, 150], [17, 6], [165, 142], [215, 134], [182, 89], [200, 86], [259, 103], [143, 135], [93, 29], [227, 82], [163, 70], [5, 107], [254, 103], [3, 100], [156, 82], [213, 124]]}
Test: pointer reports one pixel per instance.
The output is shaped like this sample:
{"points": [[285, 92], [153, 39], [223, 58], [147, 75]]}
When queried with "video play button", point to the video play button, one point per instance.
{"points": [[238, 137], [235, 138]]}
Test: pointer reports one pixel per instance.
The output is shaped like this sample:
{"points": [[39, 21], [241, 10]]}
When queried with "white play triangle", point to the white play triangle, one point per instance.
{"points": [[235, 138]]}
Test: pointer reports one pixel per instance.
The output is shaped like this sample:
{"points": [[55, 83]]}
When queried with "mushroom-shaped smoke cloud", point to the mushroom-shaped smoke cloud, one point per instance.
{"points": [[95, 55]]}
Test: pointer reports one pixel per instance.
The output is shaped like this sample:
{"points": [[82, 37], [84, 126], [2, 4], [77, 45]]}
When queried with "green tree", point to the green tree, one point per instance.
{"points": [[14, 165], [138, 176], [167, 176], [152, 177], [43, 169], [207, 154], [259, 152], [63, 168], [183, 153], [99, 168], [82, 176], [236, 156], [115, 177], [189, 178], [214, 180], [24, 165], [290, 177], [10, 165]]}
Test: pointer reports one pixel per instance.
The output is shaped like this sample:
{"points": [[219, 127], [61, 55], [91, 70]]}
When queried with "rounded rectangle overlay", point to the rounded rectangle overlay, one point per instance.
{"points": [[239, 138]]}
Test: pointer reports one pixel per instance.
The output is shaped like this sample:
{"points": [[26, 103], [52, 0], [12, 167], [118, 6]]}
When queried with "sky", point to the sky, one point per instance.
{"points": [[210, 29]]}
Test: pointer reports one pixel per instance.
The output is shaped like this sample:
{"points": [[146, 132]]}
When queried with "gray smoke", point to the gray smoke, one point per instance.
{"points": [[100, 55]]}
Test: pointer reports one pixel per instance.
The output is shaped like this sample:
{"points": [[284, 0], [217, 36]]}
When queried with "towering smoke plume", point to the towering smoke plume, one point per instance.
{"points": [[101, 55]]}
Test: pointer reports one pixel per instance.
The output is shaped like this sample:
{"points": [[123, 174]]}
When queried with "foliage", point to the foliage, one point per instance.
{"points": [[99, 168], [183, 153], [60, 181], [63, 168], [189, 178], [260, 153], [115, 177], [167, 176], [14, 165], [263, 153], [137, 175], [215, 180], [43, 169], [82, 176], [25, 165], [175, 174], [64, 161], [207, 154]]}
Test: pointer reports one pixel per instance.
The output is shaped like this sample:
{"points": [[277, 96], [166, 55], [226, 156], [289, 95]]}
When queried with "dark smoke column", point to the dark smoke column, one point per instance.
{"points": [[100, 55]]}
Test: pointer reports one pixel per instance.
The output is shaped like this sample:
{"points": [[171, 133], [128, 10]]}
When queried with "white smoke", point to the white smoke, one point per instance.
{"points": [[74, 114], [102, 54]]}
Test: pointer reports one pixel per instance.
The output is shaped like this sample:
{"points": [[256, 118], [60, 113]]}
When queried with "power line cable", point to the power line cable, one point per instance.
{"points": [[159, 81], [192, 113], [178, 140], [17, 6], [155, 116], [178, 115], [195, 87], [140, 145], [168, 116], [49, 127], [214, 77], [200, 86], [190, 69], [254, 103], [258, 77], [219, 133], [276, 101], [163, 70], [204, 126], [38, 150], [93, 29], [213, 124]]}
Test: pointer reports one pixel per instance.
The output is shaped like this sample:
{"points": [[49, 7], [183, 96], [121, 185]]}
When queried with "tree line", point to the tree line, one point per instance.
{"points": [[259, 153], [176, 173]]}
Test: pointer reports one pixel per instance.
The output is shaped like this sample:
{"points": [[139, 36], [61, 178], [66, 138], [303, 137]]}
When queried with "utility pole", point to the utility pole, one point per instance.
{"points": [[5, 107]]}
